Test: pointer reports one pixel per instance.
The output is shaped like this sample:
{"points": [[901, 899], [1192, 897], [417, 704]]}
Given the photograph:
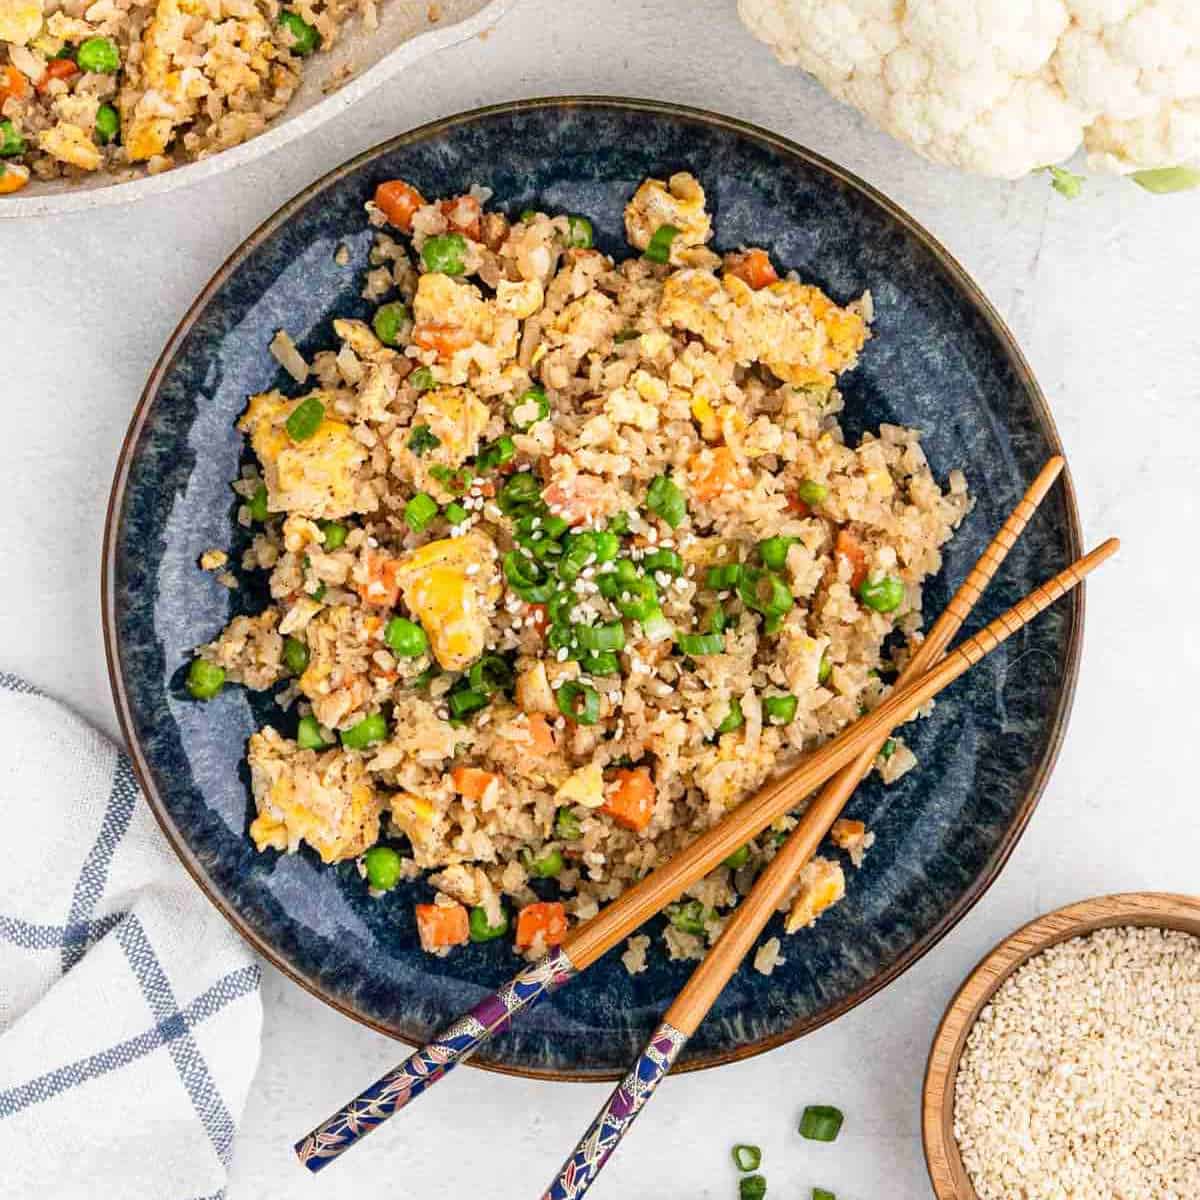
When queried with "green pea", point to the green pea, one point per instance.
{"points": [[333, 534], [445, 254], [481, 931], [11, 142], [305, 419], [547, 867], [389, 320], [422, 379], [884, 595], [204, 679], [295, 655], [812, 492], [257, 504], [383, 868], [308, 735], [368, 731], [108, 124], [305, 38], [99, 56], [579, 233], [406, 638], [566, 825]]}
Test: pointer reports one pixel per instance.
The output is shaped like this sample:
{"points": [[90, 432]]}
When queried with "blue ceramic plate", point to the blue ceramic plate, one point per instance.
{"points": [[940, 360]]}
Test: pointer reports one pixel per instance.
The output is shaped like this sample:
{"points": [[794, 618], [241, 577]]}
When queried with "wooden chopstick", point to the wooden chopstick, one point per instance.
{"points": [[748, 920], [589, 941]]}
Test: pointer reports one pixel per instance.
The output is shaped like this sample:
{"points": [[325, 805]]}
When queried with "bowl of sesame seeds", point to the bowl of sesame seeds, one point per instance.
{"points": [[1067, 1065]]}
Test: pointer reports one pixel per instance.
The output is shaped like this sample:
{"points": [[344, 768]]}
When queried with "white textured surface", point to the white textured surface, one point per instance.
{"points": [[1103, 296]]}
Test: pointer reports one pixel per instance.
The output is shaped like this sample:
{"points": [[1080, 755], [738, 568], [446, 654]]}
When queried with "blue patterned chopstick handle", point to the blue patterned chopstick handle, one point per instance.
{"points": [[423, 1069], [614, 1119]]}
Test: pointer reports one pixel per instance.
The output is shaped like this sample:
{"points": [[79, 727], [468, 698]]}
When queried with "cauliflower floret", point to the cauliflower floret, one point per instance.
{"points": [[1005, 88], [678, 202]]}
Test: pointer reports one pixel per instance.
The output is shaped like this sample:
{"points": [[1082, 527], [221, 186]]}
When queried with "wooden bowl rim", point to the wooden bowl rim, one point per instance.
{"points": [[1164, 910]]}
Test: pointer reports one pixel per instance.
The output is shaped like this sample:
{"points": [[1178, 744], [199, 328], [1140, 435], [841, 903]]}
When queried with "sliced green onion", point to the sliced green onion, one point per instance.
{"points": [[424, 679], [821, 1123], [308, 735], [422, 439], [825, 669], [637, 599], [659, 248], [530, 407], [519, 490], [773, 623], [656, 627], [567, 826], [305, 419], [383, 868], [579, 232], [780, 709], [698, 645], [369, 730], [455, 482], [752, 1187], [454, 513], [612, 583], [733, 718], [422, 379], [464, 701], [747, 1158], [389, 320], [318, 593], [735, 862], [405, 638], [774, 551], [618, 523], [528, 578], [1164, 180], [490, 674], [765, 592], [688, 917], [664, 499], [722, 578], [495, 454], [579, 702], [812, 492], [604, 662], [601, 637], [547, 867], [204, 679], [883, 595], [579, 551], [333, 534], [295, 655], [717, 620], [305, 38], [663, 560], [605, 544], [887, 749], [419, 511], [481, 931]]}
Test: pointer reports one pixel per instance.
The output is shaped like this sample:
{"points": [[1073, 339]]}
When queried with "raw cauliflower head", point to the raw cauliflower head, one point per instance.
{"points": [[1004, 87]]}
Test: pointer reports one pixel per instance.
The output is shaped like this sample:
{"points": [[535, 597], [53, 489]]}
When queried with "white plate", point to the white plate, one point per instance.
{"points": [[405, 34]]}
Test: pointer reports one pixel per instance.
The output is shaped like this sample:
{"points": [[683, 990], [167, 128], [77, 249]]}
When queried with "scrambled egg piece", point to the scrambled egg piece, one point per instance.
{"points": [[326, 800], [441, 300], [792, 328], [317, 477], [457, 418], [449, 586], [20, 20], [70, 144], [584, 785], [822, 884], [678, 202]]}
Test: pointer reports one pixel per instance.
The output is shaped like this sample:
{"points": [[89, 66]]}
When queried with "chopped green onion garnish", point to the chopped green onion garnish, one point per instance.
{"points": [[887, 749], [603, 662], [688, 917], [812, 492], [204, 679], [826, 668], [821, 1123], [698, 645], [495, 454], [659, 248], [664, 499], [618, 523], [884, 595], [605, 544], [490, 674], [752, 1187], [305, 38], [383, 866], [257, 504], [333, 534], [423, 438], [780, 709], [579, 232], [368, 730], [717, 620], [601, 637], [308, 735], [530, 407], [765, 592], [422, 379], [1164, 180], [566, 825], [656, 627], [735, 862], [747, 1158], [305, 419], [455, 482], [518, 491], [637, 599], [773, 623], [546, 867], [481, 931], [733, 718], [464, 701], [663, 560], [454, 513], [579, 702], [295, 655], [528, 578], [774, 551], [419, 511], [405, 638], [579, 552], [723, 578]]}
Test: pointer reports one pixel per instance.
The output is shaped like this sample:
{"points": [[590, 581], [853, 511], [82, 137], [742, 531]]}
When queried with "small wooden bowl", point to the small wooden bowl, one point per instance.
{"points": [[1162, 909]]}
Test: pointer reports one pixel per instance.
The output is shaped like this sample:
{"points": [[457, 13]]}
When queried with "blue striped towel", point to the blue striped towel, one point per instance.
{"points": [[129, 1010]]}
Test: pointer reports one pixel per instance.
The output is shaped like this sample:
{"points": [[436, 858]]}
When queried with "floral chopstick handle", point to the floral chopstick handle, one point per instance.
{"points": [[421, 1070], [614, 1119]]}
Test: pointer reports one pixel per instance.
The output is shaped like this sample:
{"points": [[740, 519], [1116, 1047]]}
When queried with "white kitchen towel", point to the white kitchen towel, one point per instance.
{"points": [[129, 1010]]}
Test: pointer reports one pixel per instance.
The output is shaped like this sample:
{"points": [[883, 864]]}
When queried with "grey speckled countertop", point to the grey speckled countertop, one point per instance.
{"points": [[1103, 296]]}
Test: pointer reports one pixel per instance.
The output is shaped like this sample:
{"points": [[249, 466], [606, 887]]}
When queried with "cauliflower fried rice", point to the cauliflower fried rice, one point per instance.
{"points": [[567, 558]]}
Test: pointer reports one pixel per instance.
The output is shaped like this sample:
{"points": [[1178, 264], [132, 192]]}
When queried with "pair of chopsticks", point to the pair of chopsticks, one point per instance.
{"points": [[839, 765]]}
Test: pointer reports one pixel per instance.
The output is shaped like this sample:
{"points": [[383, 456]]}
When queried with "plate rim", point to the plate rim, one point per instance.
{"points": [[966, 286]]}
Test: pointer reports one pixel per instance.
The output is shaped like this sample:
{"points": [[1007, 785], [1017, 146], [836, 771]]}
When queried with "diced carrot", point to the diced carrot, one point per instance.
{"points": [[577, 499], [712, 472], [464, 215], [445, 339], [847, 546], [549, 918], [13, 84], [846, 833], [442, 925], [398, 201], [383, 584], [752, 266], [473, 782], [631, 802], [540, 619], [797, 506], [541, 736], [56, 68]]}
